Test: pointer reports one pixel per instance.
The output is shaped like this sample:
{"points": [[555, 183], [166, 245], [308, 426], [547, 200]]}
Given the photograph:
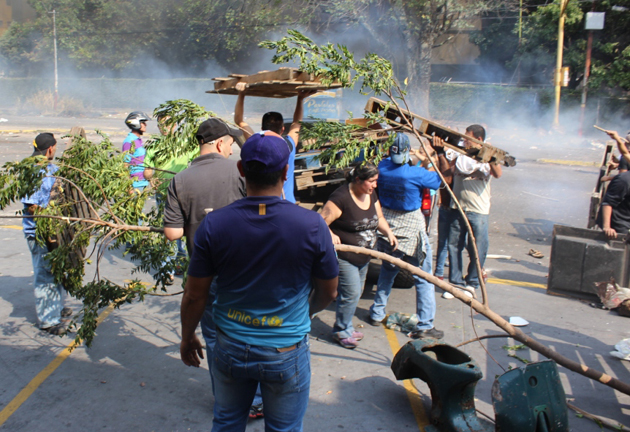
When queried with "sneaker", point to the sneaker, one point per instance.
{"points": [[447, 295], [66, 312], [357, 335], [432, 333], [469, 293], [349, 343], [256, 411], [57, 330], [371, 321]]}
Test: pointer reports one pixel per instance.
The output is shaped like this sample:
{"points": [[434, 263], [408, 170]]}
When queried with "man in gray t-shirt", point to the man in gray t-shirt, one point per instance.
{"points": [[210, 182]]}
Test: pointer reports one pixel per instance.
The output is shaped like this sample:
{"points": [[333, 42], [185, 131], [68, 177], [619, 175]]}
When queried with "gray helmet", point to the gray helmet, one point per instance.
{"points": [[134, 119]]}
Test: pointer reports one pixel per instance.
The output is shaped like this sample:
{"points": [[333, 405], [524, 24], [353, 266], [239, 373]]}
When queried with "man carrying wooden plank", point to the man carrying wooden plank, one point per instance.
{"points": [[274, 121], [471, 185]]}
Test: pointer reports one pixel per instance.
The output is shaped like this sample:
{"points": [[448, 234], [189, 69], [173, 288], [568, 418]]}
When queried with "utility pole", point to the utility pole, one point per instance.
{"points": [[558, 77], [56, 96]]}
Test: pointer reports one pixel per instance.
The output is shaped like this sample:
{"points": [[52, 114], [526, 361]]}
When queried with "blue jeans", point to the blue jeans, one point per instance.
{"points": [[458, 239], [425, 291], [351, 281], [48, 294], [445, 219], [284, 378], [209, 332]]}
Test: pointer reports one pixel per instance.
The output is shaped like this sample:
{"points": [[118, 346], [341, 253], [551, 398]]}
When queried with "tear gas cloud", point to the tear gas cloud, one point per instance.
{"points": [[155, 81]]}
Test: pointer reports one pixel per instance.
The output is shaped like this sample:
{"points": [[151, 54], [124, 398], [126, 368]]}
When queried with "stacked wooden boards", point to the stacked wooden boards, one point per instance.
{"points": [[481, 151], [281, 83]]}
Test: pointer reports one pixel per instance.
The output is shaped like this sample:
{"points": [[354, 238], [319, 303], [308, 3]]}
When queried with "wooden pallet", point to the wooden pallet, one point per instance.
{"points": [[479, 151], [600, 187], [281, 83]]}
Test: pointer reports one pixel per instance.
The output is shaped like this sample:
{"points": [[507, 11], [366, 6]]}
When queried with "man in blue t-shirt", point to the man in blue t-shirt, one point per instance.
{"points": [[267, 256], [274, 121], [48, 293], [400, 188]]}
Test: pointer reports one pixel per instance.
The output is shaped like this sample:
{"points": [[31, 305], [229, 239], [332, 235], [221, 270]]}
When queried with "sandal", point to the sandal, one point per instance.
{"points": [[535, 253]]}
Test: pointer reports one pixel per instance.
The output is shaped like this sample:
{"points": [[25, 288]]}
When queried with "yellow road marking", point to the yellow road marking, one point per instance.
{"points": [[412, 393], [16, 227], [30, 388], [516, 283], [568, 162]]}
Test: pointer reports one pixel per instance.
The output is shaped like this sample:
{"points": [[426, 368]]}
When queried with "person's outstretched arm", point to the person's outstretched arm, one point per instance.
{"points": [[294, 130], [621, 144], [239, 111]]}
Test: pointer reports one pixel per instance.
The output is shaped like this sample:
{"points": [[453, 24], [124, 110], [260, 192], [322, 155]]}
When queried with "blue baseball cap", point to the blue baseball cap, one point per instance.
{"points": [[268, 148], [399, 150]]}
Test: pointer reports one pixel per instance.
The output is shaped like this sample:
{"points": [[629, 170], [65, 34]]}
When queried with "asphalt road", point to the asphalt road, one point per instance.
{"points": [[131, 379]]}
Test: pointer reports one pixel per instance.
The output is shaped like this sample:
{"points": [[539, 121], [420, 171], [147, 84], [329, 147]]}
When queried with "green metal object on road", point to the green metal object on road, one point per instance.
{"points": [[530, 399], [451, 375]]}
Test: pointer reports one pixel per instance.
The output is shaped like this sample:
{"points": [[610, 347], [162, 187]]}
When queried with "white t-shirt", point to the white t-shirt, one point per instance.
{"points": [[471, 185]]}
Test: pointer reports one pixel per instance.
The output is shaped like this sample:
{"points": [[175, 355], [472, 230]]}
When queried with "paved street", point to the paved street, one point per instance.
{"points": [[132, 379]]}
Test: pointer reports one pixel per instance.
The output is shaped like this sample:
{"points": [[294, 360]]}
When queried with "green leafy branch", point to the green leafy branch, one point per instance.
{"points": [[93, 205]]}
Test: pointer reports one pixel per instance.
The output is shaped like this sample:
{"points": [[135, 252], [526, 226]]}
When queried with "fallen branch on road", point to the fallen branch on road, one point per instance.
{"points": [[497, 320]]}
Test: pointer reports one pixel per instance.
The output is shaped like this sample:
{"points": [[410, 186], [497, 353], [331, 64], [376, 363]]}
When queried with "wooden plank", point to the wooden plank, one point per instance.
{"points": [[600, 187], [280, 74], [323, 183], [281, 83], [272, 91], [479, 150]]}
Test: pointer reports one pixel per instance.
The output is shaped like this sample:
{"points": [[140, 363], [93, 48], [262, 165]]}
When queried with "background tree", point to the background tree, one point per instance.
{"points": [[419, 22], [536, 55], [117, 37]]}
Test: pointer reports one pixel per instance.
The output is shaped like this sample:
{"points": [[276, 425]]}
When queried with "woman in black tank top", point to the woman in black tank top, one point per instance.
{"points": [[353, 214]]}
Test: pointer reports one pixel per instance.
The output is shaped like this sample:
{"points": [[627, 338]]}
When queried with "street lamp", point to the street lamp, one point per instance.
{"points": [[594, 21]]}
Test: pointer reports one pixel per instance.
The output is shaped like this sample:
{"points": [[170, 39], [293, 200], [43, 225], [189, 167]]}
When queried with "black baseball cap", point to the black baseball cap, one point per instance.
{"points": [[44, 141], [215, 128]]}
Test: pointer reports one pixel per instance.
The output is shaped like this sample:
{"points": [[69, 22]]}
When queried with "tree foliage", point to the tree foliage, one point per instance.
{"points": [[536, 55], [98, 36], [116, 216], [411, 28], [342, 143]]}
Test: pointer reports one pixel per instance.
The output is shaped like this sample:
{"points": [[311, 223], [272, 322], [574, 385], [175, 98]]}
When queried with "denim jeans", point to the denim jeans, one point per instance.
{"points": [[425, 291], [458, 239], [351, 281], [48, 294], [284, 379], [209, 332], [445, 219]]}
